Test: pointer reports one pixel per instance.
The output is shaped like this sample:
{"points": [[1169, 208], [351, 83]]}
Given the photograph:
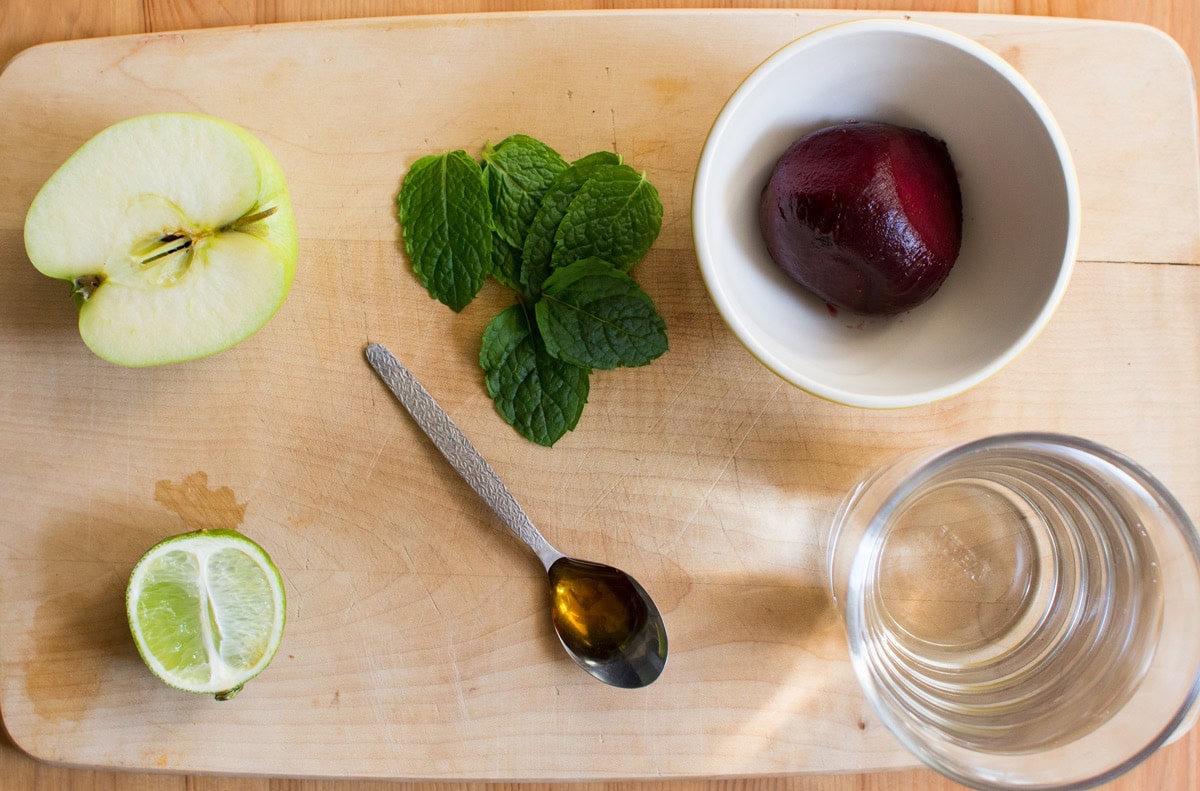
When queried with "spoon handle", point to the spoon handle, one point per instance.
{"points": [[458, 450]]}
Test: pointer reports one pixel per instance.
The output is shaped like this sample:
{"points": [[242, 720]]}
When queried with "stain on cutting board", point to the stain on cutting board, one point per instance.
{"points": [[76, 634], [200, 507]]}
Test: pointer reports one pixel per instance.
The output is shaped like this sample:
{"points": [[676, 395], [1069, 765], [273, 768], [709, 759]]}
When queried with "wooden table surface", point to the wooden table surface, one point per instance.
{"points": [[24, 23]]}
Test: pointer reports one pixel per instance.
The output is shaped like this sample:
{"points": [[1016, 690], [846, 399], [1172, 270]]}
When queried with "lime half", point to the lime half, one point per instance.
{"points": [[206, 610]]}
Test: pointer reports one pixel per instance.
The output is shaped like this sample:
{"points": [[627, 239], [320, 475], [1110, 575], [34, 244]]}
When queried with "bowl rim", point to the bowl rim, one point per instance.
{"points": [[701, 199]]}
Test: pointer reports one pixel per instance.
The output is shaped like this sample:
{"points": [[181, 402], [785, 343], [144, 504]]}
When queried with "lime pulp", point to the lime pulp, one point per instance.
{"points": [[206, 611]]}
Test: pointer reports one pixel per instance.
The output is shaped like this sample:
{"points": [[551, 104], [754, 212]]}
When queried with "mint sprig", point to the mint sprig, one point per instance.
{"points": [[563, 237]]}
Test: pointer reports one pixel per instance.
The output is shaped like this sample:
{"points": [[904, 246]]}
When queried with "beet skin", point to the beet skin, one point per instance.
{"points": [[867, 216]]}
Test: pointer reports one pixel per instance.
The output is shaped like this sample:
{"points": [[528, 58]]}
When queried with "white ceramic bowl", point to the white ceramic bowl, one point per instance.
{"points": [[1020, 212]]}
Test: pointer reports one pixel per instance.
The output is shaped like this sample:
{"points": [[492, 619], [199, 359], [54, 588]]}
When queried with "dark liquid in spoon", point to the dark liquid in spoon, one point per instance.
{"points": [[596, 608]]}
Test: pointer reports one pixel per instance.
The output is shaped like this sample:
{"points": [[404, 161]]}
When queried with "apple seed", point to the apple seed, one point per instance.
{"points": [[249, 219], [185, 244]]}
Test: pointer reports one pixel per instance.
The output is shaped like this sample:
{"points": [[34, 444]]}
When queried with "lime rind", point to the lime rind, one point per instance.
{"points": [[206, 611]]}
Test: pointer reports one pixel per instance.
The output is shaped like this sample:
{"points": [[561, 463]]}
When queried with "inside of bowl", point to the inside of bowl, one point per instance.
{"points": [[1015, 205]]}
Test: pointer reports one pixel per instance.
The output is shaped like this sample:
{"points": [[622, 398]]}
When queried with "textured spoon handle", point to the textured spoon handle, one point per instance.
{"points": [[458, 450]]}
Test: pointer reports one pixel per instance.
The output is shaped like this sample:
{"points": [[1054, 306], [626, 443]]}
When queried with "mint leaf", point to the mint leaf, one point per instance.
{"points": [[615, 216], [592, 315], [446, 221], [518, 172], [506, 263], [538, 395], [539, 243]]}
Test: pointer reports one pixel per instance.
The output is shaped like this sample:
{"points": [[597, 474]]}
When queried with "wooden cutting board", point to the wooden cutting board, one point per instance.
{"points": [[418, 641]]}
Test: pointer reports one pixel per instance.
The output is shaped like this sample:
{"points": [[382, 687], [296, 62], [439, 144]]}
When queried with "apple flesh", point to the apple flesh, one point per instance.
{"points": [[867, 216], [177, 233]]}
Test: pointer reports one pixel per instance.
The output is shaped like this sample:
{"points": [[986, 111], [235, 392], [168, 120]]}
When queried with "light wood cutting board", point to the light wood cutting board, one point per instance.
{"points": [[418, 642]]}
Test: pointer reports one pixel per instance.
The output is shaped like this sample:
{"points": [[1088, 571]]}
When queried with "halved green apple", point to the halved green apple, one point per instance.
{"points": [[177, 232]]}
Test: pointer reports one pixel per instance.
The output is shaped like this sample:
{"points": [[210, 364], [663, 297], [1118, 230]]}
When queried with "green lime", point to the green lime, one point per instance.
{"points": [[206, 610]]}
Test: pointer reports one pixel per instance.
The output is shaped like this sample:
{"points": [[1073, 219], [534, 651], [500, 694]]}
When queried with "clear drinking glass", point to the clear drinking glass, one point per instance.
{"points": [[1022, 611]]}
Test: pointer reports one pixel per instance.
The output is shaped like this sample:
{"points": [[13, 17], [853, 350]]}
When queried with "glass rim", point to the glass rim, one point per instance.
{"points": [[935, 462]]}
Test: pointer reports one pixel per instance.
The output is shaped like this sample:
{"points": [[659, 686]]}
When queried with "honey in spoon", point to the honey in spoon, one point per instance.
{"points": [[596, 609]]}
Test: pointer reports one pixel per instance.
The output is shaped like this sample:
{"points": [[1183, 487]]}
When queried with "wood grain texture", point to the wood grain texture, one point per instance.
{"points": [[771, 422]]}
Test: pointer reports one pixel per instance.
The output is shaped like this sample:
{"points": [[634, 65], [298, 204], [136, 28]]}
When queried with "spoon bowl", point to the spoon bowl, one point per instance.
{"points": [[607, 622], [604, 618]]}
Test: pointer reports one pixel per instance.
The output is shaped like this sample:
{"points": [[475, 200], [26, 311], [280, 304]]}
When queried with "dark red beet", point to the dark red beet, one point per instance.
{"points": [[867, 216]]}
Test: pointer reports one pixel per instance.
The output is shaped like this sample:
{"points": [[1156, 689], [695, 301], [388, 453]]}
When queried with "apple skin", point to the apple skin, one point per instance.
{"points": [[867, 216], [203, 192]]}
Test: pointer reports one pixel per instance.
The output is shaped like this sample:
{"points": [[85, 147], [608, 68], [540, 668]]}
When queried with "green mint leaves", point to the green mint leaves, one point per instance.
{"points": [[538, 252], [446, 220], [518, 172], [563, 236], [595, 316], [539, 395], [615, 216]]}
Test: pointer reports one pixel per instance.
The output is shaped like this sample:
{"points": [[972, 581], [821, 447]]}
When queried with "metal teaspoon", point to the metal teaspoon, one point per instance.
{"points": [[605, 620]]}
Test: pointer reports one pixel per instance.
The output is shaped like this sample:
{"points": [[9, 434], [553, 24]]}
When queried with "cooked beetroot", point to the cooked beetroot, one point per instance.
{"points": [[867, 216]]}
